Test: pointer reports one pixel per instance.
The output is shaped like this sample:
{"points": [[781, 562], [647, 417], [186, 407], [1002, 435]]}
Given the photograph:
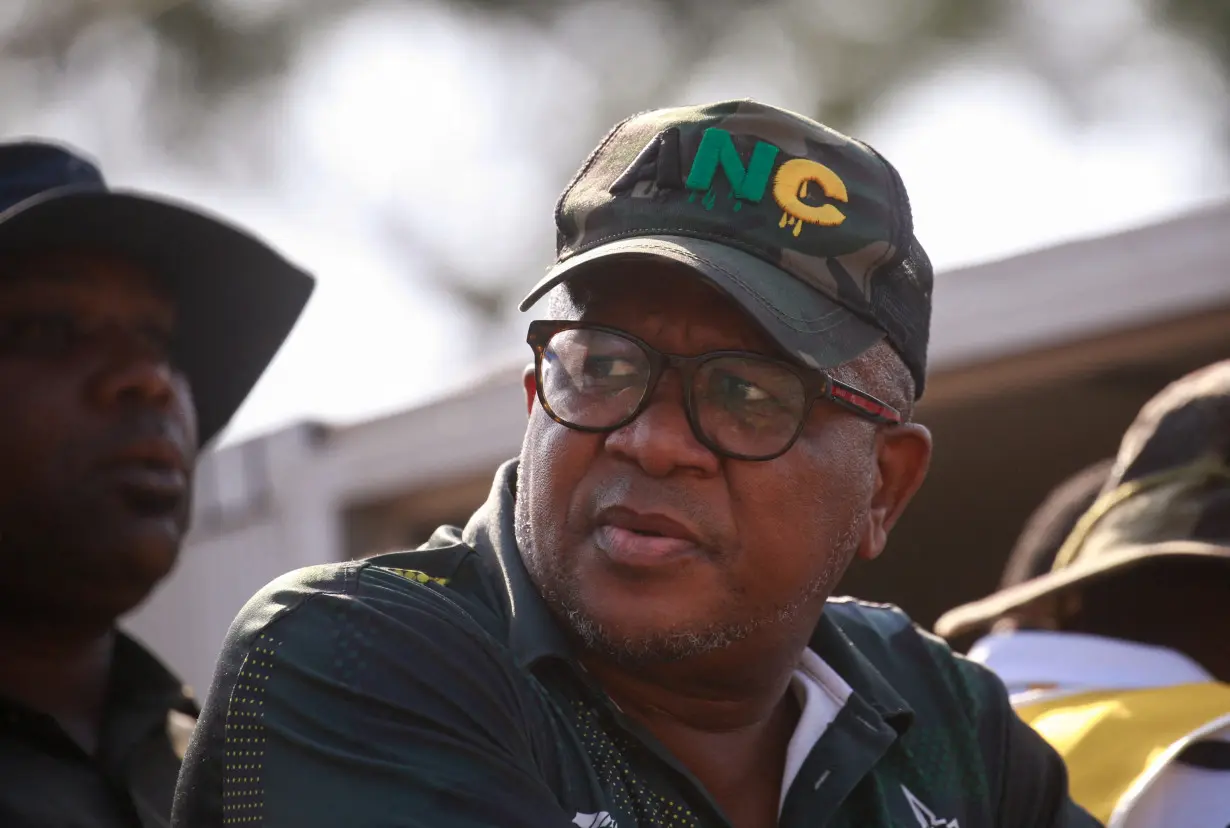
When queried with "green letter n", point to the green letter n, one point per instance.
{"points": [[718, 148]]}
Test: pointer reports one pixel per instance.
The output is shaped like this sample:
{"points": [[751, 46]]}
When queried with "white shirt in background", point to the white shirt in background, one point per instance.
{"points": [[1039, 666]]}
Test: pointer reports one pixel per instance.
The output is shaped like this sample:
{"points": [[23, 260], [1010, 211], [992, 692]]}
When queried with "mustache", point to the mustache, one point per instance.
{"points": [[148, 426]]}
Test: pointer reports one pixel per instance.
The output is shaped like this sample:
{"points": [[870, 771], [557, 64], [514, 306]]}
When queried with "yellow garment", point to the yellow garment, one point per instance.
{"points": [[1110, 739]]}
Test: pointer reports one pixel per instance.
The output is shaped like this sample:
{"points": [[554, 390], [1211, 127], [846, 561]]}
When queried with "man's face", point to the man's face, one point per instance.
{"points": [[97, 437], [765, 541]]}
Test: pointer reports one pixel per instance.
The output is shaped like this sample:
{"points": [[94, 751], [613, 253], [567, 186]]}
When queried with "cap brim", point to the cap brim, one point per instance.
{"points": [[979, 616], [805, 323], [237, 298]]}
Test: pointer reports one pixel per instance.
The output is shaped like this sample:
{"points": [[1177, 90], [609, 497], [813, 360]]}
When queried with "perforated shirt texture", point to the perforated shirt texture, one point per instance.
{"points": [[243, 793]]}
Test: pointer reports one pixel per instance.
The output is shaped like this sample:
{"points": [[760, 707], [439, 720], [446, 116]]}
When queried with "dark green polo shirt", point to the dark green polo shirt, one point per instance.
{"points": [[433, 688], [47, 780]]}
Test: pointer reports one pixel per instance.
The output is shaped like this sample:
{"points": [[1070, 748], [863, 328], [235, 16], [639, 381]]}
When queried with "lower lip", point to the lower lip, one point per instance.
{"points": [[628, 548], [167, 483]]}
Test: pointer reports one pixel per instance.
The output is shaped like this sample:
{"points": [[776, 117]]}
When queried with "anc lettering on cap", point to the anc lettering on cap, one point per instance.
{"points": [[655, 170], [717, 147], [790, 188], [749, 183]]}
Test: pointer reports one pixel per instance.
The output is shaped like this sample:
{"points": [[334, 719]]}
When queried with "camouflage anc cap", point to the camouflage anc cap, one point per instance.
{"points": [[1167, 499], [807, 229]]}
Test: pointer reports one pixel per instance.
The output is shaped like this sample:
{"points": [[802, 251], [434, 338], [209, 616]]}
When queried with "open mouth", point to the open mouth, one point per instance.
{"points": [[151, 503], [150, 489]]}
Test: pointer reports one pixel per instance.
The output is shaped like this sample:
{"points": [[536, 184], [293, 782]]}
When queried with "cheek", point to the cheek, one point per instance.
{"points": [[802, 504], [553, 463], [777, 509], [37, 431]]}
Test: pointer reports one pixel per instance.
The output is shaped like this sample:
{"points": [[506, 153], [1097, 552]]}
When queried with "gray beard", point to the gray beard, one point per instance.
{"points": [[559, 589]]}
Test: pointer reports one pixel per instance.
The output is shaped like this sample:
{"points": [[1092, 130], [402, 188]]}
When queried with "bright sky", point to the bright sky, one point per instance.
{"points": [[992, 167]]}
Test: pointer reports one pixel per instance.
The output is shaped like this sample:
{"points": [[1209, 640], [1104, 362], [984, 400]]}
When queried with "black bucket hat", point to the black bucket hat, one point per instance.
{"points": [[237, 298]]}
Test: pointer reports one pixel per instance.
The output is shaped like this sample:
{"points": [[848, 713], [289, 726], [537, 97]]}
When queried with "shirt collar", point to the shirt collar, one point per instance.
{"points": [[139, 679], [142, 696], [832, 644], [533, 633]]}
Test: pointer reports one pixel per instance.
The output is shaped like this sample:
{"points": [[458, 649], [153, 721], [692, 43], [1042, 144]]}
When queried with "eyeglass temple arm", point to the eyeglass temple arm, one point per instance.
{"points": [[851, 398]]}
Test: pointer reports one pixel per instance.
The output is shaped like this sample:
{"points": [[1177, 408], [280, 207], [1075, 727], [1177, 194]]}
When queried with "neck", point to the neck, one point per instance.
{"points": [[57, 669], [727, 689], [726, 716], [702, 693]]}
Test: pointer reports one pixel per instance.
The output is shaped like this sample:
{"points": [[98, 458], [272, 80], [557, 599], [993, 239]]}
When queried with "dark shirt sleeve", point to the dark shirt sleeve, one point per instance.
{"points": [[1029, 776], [368, 700]]}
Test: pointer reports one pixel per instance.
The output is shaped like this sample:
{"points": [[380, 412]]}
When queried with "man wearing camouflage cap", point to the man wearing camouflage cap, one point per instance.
{"points": [[636, 630], [1119, 654]]}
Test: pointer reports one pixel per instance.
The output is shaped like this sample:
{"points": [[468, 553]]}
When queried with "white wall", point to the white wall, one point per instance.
{"points": [[274, 504], [261, 509], [1082, 289], [187, 618]]}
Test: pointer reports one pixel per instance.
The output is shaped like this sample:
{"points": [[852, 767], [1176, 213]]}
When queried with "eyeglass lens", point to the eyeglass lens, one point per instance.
{"points": [[743, 404]]}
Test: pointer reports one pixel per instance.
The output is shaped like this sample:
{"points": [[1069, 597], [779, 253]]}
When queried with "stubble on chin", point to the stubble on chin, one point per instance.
{"points": [[559, 587]]}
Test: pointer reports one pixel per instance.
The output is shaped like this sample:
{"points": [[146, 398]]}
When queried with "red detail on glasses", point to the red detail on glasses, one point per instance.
{"points": [[863, 403]]}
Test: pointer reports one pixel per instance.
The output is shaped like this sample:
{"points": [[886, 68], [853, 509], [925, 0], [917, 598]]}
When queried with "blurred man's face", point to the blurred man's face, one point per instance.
{"points": [[97, 436]]}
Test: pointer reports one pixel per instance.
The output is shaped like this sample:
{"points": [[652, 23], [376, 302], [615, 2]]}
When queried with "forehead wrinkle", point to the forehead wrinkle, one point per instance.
{"points": [[93, 299], [60, 270], [692, 327], [722, 324]]}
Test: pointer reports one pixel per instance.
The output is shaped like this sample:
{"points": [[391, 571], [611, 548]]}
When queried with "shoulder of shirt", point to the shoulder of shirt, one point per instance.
{"points": [[883, 633], [444, 577], [854, 614], [903, 652]]}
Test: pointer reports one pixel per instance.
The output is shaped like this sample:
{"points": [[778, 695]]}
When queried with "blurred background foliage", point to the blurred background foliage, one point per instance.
{"points": [[206, 78]]}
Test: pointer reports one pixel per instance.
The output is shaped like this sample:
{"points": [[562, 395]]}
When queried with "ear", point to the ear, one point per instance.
{"points": [[903, 454], [530, 380]]}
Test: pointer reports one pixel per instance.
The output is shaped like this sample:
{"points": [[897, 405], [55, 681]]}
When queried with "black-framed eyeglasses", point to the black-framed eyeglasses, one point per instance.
{"points": [[740, 404]]}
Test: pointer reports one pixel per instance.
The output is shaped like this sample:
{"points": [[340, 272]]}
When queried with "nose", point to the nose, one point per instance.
{"points": [[134, 372], [660, 440]]}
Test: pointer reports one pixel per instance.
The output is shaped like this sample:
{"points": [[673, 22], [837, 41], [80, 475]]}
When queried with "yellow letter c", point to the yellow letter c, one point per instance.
{"points": [[792, 177]]}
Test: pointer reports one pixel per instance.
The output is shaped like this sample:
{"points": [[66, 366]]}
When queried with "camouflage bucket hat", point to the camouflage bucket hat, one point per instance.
{"points": [[1167, 499], [808, 230]]}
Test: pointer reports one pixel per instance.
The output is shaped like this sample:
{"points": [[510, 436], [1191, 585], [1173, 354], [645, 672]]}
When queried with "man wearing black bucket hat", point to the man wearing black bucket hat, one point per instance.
{"points": [[131, 328], [635, 630]]}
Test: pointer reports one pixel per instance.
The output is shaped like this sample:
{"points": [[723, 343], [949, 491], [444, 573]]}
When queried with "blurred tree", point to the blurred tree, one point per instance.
{"points": [[222, 47], [206, 58]]}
